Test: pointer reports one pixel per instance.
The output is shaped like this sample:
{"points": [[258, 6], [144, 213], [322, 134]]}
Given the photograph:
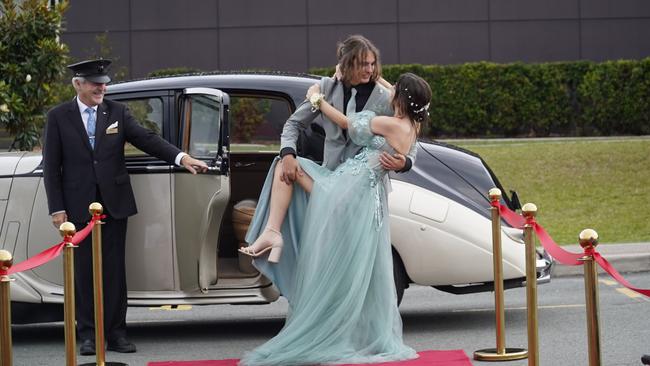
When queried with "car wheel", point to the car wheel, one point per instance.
{"points": [[400, 277]]}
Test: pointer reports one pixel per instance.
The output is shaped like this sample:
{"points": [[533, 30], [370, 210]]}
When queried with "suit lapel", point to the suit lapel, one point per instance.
{"points": [[74, 116], [373, 98], [337, 102], [102, 123], [337, 96]]}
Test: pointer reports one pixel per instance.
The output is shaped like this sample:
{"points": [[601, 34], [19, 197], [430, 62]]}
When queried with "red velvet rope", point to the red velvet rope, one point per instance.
{"points": [[556, 251], [509, 216], [53, 252], [604, 264], [561, 255]]}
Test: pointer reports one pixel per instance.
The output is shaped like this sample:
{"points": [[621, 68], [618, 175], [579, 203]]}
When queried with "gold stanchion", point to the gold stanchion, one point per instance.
{"points": [[588, 239], [96, 209], [6, 358], [98, 284], [67, 231], [500, 353], [530, 211]]}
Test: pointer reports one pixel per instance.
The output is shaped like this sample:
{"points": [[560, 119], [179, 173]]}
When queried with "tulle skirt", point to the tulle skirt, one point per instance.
{"points": [[336, 271]]}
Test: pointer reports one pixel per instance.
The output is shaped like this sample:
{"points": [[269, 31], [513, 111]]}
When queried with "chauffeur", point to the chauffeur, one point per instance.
{"points": [[83, 156]]}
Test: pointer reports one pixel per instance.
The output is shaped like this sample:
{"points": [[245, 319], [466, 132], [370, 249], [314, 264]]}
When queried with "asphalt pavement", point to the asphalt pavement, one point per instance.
{"points": [[432, 320], [625, 257]]}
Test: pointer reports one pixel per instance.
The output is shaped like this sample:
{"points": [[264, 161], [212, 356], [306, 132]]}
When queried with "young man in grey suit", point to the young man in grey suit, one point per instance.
{"points": [[358, 88], [83, 161]]}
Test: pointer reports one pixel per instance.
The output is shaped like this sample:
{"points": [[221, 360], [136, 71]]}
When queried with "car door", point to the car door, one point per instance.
{"points": [[199, 201], [149, 238]]}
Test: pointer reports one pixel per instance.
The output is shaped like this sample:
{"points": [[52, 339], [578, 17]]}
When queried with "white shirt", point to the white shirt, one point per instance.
{"points": [[84, 115]]}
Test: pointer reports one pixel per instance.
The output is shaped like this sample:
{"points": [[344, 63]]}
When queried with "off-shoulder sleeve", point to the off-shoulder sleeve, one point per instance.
{"points": [[359, 127]]}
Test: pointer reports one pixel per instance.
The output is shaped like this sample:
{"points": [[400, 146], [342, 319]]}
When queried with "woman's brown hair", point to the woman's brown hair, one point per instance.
{"points": [[412, 97]]}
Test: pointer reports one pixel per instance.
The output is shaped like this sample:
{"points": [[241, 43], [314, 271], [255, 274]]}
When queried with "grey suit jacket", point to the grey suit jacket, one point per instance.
{"points": [[338, 146]]}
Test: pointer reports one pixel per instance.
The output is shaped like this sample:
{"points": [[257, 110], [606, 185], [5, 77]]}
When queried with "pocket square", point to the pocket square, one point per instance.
{"points": [[112, 128]]}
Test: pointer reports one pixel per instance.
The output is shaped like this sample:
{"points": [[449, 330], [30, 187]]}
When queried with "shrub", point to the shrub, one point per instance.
{"points": [[485, 99], [172, 71], [31, 61], [615, 97]]}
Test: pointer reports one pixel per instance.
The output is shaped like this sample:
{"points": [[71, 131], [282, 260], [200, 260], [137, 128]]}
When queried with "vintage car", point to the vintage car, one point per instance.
{"points": [[182, 247]]}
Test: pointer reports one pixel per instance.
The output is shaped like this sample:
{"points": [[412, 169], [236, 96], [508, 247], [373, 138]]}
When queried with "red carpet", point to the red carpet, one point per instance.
{"points": [[429, 358]]}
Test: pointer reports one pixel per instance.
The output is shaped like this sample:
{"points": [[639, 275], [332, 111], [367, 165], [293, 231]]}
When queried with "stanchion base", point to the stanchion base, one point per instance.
{"points": [[106, 364], [510, 354]]}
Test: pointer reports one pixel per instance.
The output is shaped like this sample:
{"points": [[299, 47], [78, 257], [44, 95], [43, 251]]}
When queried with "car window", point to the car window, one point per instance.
{"points": [[256, 122], [205, 121], [148, 112]]}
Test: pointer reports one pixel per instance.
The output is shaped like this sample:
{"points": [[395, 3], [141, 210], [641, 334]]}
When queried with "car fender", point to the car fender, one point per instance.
{"points": [[21, 291], [8, 162], [435, 236]]}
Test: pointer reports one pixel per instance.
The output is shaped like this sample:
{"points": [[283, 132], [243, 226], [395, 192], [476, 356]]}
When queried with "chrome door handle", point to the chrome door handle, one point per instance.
{"points": [[243, 165], [158, 167]]}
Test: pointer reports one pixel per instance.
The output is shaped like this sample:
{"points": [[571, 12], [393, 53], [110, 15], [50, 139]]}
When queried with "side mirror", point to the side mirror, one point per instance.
{"points": [[514, 201]]}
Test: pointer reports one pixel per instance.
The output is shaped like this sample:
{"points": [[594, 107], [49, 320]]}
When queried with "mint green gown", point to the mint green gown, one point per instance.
{"points": [[336, 269]]}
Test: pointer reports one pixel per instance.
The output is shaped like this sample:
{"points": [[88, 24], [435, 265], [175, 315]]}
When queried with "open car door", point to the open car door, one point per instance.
{"points": [[200, 200]]}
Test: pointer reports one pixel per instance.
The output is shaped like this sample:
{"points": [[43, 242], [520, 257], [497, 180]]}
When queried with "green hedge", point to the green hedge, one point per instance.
{"points": [[172, 71], [551, 99]]}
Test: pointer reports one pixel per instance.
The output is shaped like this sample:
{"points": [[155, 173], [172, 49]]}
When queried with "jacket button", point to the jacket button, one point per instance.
{"points": [[95, 162]]}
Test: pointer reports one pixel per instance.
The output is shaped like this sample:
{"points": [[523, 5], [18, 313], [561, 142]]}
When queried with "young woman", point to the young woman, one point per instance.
{"points": [[344, 307]]}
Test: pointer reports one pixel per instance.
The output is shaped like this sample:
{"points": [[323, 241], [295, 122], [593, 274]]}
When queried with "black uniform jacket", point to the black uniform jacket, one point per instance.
{"points": [[73, 171]]}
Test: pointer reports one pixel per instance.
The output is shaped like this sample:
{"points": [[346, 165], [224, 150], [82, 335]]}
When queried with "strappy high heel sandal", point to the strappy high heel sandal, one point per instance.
{"points": [[270, 239]]}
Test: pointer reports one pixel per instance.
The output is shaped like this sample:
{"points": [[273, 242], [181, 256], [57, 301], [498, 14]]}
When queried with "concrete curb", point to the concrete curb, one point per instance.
{"points": [[625, 257]]}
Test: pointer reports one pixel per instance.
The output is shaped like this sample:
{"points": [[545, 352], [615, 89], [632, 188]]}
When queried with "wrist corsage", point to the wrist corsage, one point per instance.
{"points": [[315, 100]]}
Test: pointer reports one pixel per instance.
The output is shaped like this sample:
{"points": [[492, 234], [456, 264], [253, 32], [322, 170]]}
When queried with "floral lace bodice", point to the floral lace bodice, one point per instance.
{"points": [[367, 160]]}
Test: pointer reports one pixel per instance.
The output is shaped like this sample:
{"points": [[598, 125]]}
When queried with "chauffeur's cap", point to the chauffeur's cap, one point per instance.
{"points": [[92, 70]]}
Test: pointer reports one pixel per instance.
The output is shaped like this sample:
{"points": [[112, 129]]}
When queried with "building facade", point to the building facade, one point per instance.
{"points": [[295, 35]]}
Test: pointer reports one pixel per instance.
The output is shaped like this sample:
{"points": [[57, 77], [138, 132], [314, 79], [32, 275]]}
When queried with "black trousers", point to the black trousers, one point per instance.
{"points": [[114, 276]]}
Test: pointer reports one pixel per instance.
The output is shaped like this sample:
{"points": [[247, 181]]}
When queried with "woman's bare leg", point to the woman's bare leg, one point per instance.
{"points": [[305, 182], [281, 196], [271, 237], [280, 199]]}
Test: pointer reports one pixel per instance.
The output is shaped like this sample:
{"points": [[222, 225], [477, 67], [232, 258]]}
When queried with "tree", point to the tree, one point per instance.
{"points": [[247, 114], [31, 61]]}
